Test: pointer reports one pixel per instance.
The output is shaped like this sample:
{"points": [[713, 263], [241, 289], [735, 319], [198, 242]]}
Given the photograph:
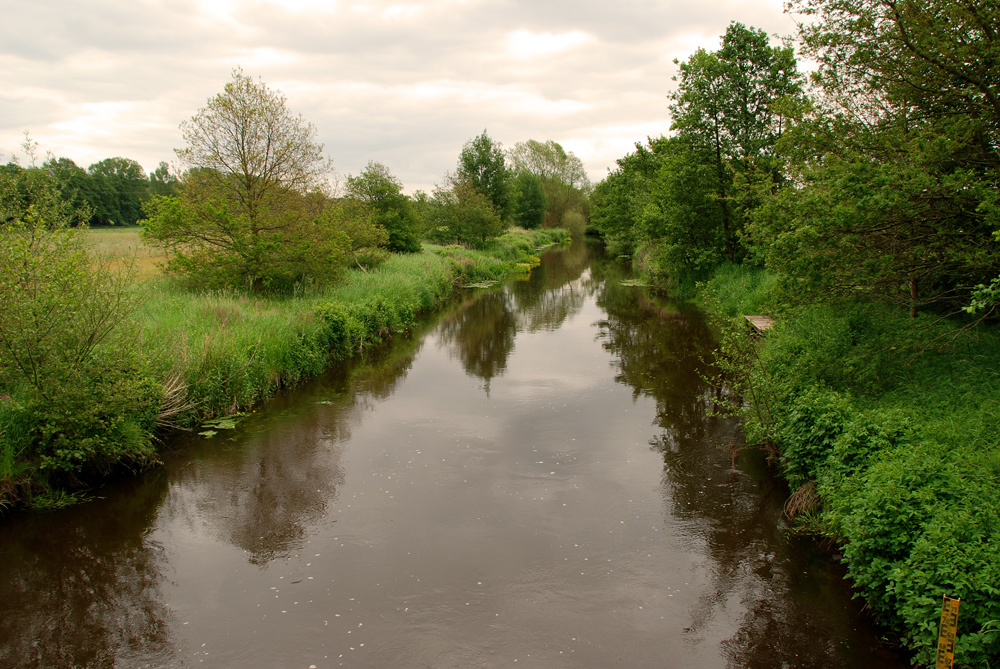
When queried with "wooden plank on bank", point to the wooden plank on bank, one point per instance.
{"points": [[760, 323]]}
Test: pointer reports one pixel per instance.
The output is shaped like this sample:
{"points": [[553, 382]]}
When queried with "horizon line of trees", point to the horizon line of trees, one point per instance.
{"points": [[240, 213]]}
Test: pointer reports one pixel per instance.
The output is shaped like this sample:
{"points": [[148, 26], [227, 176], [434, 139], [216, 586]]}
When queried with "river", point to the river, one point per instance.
{"points": [[531, 480]]}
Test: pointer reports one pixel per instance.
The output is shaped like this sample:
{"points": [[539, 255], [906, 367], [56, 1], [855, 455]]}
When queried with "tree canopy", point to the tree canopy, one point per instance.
{"points": [[251, 209], [562, 175], [379, 190], [481, 163]]}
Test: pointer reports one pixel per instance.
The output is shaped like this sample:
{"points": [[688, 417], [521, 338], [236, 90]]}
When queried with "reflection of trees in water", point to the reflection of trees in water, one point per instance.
{"points": [[261, 500], [377, 375], [659, 348], [481, 334], [81, 587], [798, 610], [792, 618], [263, 496]]}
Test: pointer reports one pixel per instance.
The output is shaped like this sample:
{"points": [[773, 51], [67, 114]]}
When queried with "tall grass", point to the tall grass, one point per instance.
{"points": [[233, 349], [735, 290], [127, 245]]}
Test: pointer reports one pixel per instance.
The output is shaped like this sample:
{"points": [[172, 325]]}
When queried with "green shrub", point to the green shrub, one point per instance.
{"points": [[809, 428], [895, 420]]}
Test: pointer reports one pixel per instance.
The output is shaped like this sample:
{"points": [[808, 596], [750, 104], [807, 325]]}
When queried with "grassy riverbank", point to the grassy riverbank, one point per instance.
{"points": [[887, 429], [186, 358]]}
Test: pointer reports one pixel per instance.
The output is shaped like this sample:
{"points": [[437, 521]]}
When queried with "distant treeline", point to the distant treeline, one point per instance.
{"points": [[109, 192]]}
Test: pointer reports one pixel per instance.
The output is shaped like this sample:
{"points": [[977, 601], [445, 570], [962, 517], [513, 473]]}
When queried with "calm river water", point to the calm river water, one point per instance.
{"points": [[531, 481]]}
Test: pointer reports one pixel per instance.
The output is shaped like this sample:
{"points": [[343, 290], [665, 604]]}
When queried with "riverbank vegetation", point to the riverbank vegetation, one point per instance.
{"points": [[251, 274], [859, 209]]}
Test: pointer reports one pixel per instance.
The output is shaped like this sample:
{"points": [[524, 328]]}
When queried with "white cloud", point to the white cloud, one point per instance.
{"points": [[526, 45], [405, 83]]}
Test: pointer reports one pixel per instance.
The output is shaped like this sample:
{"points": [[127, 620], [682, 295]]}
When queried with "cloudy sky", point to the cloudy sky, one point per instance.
{"points": [[404, 83]]}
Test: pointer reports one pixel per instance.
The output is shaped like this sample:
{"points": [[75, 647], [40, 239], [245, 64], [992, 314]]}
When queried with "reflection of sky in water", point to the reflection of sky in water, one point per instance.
{"points": [[537, 481]]}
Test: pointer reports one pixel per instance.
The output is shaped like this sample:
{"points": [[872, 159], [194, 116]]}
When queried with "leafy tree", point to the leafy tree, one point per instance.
{"points": [[529, 200], [728, 105], [377, 188], [163, 181], [117, 189], [563, 177], [481, 164], [459, 212], [683, 215], [549, 160], [74, 185], [619, 200], [939, 56], [897, 173], [247, 214], [353, 234]]}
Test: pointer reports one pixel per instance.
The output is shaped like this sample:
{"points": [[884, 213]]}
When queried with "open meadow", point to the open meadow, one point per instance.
{"points": [[125, 242]]}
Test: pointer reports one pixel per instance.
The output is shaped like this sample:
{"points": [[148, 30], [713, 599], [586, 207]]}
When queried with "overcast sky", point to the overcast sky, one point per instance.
{"points": [[402, 83]]}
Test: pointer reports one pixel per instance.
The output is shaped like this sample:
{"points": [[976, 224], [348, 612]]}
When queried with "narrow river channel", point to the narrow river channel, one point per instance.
{"points": [[534, 480]]}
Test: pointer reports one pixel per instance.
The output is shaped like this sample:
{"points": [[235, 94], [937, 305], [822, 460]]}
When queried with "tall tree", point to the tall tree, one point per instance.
{"points": [[459, 212], [74, 185], [482, 164], [530, 200], [897, 177], [118, 187], [163, 181], [728, 106], [620, 199], [562, 174], [378, 189], [249, 210]]}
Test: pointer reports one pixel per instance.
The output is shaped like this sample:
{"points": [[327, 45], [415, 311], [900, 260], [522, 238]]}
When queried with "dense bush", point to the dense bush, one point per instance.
{"points": [[892, 424], [75, 395]]}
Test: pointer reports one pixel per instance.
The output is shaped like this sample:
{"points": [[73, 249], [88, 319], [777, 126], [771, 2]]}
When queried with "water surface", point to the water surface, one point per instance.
{"points": [[533, 480]]}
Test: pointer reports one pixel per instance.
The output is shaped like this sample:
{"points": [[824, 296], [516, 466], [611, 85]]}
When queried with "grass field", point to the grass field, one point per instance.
{"points": [[124, 243]]}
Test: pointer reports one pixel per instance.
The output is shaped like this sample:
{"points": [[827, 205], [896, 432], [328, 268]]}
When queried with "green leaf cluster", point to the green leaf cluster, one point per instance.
{"points": [[75, 394]]}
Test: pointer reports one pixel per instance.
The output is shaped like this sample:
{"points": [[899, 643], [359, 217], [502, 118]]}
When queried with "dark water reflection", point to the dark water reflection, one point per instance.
{"points": [[535, 480]]}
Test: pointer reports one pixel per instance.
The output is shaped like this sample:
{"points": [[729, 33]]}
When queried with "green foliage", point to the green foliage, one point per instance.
{"points": [[562, 175], [808, 427], [482, 165], [894, 216], [163, 181], [730, 107], [735, 290], [116, 189], [212, 246], [530, 201], [896, 429], [377, 188], [74, 185], [75, 396], [897, 170], [461, 213], [619, 201], [684, 218], [249, 214]]}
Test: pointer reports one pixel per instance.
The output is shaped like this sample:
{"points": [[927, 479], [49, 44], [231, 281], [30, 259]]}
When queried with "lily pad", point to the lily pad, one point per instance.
{"points": [[227, 423], [208, 433]]}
